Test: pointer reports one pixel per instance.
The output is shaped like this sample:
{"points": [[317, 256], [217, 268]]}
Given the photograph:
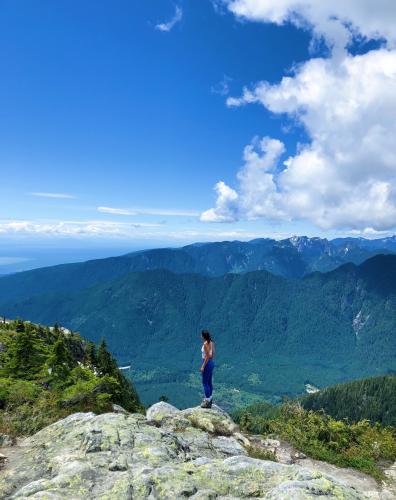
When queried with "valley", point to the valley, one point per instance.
{"points": [[273, 334]]}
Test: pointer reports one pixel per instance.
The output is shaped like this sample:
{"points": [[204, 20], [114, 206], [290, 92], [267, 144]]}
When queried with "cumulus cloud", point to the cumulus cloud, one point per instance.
{"points": [[53, 195], [170, 24], [335, 20], [345, 176], [226, 209]]}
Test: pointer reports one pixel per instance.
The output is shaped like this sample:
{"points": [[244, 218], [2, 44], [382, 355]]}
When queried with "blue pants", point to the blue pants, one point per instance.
{"points": [[207, 378]]}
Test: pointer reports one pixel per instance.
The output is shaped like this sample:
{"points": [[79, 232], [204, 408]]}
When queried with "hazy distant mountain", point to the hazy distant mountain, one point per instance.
{"points": [[388, 243], [273, 334], [293, 258], [17, 258]]}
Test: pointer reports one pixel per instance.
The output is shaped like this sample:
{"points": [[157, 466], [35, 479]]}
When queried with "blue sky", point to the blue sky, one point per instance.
{"points": [[114, 131]]}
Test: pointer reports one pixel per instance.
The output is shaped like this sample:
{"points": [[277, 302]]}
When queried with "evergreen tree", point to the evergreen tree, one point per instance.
{"points": [[24, 356], [105, 363], [91, 358], [41, 380], [60, 361]]}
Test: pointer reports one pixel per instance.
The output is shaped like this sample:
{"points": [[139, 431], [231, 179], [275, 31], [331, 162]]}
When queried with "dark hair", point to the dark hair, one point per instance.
{"points": [[206, 335]]}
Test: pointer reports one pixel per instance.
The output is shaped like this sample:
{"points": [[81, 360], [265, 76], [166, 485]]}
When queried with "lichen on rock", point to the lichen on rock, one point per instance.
{"points": [[169, 454]]}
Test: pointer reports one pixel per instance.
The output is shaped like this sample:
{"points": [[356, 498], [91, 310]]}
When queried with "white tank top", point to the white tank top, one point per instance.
{"points": [[210, 350]]}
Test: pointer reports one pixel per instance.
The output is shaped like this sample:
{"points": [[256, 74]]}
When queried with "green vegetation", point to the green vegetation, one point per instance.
{"points": [[360, 445], [256, 417], [260, 453], [372, 399], [273, 334], [48, 373]]}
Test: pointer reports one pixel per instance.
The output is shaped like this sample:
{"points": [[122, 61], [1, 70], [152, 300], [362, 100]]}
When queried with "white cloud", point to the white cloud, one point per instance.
{"points": [[170, 24], [226, 209], [168, 212], [345, 176], [147, 211], [53, 195], [108, 230], [71, 228], [370, 233], [115, 211], [223, 87], [336, 20], [257, 195]]}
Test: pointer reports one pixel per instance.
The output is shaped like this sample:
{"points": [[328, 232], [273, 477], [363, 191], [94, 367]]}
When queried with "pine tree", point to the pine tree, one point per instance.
{"points": [[105, 363], [91, 358], [60, 361], [24, 356]]}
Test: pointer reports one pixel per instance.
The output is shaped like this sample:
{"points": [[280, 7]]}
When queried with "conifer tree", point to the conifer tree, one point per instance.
{"points": [[60, 361], [106, 363], [25, 355], [91, 357]]}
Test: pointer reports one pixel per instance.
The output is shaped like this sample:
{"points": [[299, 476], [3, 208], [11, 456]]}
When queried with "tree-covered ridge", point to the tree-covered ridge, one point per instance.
{"points": [[273, 334], [372, 399], [48, 373], [291, 258]]}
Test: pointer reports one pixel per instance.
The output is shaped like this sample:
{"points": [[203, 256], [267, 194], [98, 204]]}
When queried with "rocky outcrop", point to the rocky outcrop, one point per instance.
{"points": [[169, 454]]}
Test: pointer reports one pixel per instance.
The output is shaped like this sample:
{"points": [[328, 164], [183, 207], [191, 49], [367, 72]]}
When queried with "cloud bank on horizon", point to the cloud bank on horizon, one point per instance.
{"points": [[344, 177], [143, 231]]}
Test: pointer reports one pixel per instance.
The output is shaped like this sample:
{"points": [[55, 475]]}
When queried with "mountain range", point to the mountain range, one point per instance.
{"points": [[291, 258], [274, 334]]}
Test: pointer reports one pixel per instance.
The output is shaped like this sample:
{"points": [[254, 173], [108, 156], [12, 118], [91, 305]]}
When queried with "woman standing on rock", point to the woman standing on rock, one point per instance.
{"points": [[208, 350]]}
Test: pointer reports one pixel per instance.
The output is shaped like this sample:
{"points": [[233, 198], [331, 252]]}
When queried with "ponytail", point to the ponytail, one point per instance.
{"points": [[206, 335]]}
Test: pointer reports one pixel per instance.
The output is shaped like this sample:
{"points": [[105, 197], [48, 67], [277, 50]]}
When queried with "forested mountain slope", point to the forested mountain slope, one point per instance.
{"points": [[294, 257], [48, 373], [373, 399], [273, 334]]}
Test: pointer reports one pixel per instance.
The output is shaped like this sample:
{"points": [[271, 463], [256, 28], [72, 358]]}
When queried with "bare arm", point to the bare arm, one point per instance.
{"points": [[207, 357]]}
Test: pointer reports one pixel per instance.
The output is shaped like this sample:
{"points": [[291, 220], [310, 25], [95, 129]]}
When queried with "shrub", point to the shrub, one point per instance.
{"points": [[261, 453], [360, 445]]}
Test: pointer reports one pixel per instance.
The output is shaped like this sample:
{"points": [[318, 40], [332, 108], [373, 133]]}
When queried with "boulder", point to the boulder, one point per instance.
{"points": [[213, 421], [119, 409], [159, 411], [191, 453]]}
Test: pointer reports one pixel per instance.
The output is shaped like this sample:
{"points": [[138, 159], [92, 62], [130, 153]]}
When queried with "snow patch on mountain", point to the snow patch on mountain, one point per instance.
{"points": [[359, 321]]}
